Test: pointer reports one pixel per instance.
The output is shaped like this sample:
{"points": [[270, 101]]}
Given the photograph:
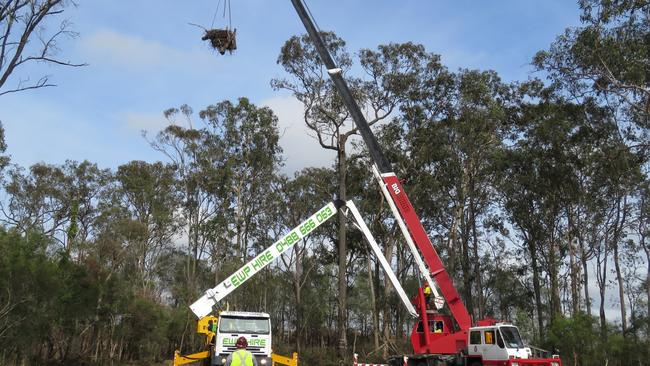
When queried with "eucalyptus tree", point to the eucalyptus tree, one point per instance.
{"points": [[535, 179], [200, 182], [443, 143], [147, 192], [292, 200], [391, 70], [606, 58], [60, 201], [247, 138], [224, 163]]}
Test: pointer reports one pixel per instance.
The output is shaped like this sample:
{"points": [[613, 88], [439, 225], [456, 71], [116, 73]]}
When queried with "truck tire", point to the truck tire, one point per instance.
{"points": [[476, 363], [208, 361]]}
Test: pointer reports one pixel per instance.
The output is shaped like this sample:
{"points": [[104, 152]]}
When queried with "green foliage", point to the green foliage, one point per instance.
{"points": [[580, 341]]}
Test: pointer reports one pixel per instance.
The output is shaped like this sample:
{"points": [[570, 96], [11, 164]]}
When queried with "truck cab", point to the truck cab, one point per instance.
{"points": [[256, 327], [500, 344]]}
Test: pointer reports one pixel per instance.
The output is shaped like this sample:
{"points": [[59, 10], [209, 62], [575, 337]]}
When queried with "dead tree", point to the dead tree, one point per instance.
{"points": [[24, 39]]}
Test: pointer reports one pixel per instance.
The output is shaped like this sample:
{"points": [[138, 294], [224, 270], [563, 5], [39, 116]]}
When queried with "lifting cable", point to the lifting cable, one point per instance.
{"points": [[311, 16], [226, 8]]}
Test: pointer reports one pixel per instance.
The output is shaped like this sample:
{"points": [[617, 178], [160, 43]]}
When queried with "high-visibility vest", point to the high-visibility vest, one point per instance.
{"points": [[241, 357]]}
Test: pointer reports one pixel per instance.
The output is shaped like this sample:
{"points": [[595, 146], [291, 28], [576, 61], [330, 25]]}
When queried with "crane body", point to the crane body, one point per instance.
{"points": [[436, 338]]}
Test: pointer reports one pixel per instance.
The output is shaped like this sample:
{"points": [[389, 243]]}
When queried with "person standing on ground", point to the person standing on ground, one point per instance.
{"points": [[241, 357]]}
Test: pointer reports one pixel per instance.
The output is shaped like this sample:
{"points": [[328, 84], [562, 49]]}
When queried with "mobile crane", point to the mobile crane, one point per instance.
{"points": [[436, 338]]}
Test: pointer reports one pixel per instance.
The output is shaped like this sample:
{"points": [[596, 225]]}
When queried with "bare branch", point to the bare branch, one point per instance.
{"points": [[22, 21], [42, 83]]}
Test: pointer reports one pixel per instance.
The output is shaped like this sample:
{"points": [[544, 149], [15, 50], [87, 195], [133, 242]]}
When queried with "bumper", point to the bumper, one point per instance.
{"points": [[535, 362], [220, 360]]}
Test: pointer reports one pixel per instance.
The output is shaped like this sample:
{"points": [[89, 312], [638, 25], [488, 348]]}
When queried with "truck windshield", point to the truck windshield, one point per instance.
{"points": [[244, 325], [511, 337]]}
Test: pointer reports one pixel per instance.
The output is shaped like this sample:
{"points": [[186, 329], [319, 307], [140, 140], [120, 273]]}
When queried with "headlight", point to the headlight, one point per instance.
{"points": [[555, 364], [515, 364], [263, 362], [223, 360]]}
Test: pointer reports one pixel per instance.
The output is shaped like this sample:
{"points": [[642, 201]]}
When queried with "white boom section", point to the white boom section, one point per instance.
{"points": [[203, 306], [438, 300], [361, 225]]}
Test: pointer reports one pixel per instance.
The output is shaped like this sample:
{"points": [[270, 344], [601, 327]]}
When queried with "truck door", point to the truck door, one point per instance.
{"points": [[493, 347]]}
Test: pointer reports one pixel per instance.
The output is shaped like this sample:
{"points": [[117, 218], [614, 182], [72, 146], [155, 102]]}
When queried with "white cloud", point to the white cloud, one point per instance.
{"points": [[136, 53], [301, 149], [150, 122]]}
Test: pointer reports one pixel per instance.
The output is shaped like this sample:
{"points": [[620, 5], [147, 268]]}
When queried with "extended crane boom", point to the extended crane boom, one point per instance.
{"points": [[203, 306], [391, 186]]}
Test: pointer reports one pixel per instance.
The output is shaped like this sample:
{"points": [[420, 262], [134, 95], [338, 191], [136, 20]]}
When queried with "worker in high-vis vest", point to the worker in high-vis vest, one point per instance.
{"points": [[427, 296], [241, 357]]}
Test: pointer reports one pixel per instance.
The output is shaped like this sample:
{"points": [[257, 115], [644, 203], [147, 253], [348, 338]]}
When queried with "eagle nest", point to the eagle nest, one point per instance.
{"points": [[221, 40]]}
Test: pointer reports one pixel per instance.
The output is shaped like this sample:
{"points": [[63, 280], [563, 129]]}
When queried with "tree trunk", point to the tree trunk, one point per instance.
{"points": [[388, 289], [601, 273], [647, 288], [342, 318], [477, 263], [532, 247], [373, 300], [297, 277], [556, 309], [621, 215], [621, 291], [466, 266], [573, 266], [585, 274], [575, 293]]}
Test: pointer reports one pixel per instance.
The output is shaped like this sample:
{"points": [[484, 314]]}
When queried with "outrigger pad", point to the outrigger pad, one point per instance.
{"points": [[221, 40]]}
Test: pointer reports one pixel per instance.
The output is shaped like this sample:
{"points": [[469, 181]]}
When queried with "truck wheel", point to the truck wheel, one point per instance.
{"points": [[476, 363]]}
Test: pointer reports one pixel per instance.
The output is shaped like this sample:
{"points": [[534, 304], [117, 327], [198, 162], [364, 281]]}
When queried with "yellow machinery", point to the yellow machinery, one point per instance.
{"points": [[203, 326], [281, 360], [206, 325]]}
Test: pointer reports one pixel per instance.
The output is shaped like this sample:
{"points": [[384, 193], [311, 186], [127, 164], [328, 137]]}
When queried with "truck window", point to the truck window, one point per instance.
{"points": [[489, 337], [475, 337], [500, 340], [511, 337], [434, 327], [438, 327], [244, 325]]}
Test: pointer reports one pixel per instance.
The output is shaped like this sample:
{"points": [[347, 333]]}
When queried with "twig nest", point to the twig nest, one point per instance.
{"points": [[221, 40]]}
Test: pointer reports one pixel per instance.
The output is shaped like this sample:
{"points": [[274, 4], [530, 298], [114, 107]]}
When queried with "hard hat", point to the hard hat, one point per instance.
{"points": [[241, 342]]}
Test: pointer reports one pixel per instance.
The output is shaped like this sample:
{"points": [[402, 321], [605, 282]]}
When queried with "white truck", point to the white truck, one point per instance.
{"points": [[256, 327]]}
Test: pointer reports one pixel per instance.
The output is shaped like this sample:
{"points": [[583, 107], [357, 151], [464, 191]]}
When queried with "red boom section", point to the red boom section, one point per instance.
{"points": [[421, 239]]}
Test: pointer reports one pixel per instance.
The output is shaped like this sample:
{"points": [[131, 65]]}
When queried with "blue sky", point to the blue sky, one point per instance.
{"points": [[144, 58]]}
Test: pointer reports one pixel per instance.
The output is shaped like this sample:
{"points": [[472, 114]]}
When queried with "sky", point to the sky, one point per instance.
{"points": [[144, 57]]}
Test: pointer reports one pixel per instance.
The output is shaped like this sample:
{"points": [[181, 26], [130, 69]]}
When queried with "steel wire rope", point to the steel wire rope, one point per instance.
{"points": [[227, 7], [304, 2], [216, 11]]}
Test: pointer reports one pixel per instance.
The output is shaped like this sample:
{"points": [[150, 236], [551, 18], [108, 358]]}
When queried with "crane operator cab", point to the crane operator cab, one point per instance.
{"points": [[496, 342]]}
